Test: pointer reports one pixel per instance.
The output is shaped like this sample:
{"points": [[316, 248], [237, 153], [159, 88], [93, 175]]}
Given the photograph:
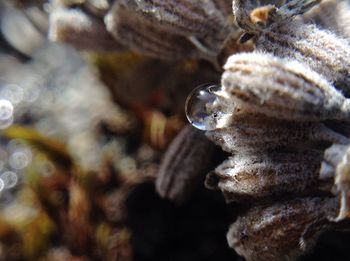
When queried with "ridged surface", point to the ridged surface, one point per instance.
{"points": [[282, 88], [251, 234], [322, 50]]}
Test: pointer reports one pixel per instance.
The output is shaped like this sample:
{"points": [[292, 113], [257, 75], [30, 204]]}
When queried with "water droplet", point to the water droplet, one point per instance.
{"points": [[9, 179], [6, 109], [198, 107]]}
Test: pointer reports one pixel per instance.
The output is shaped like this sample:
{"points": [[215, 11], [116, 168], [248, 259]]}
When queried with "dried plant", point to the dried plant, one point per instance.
{"points": [[299, 85], [190, 146], [74, 26], [167, 30], [281, 89], [251, 234], [281, 112], [323, 51], [332, 15]]}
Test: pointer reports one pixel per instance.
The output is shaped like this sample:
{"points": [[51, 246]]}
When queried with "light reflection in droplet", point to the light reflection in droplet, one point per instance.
{"points": [[9, 179], [197, 104]]}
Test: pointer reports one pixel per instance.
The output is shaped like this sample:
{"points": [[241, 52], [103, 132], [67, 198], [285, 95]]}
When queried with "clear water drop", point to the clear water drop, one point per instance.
{"points": [[6, 110], [198, 106]]}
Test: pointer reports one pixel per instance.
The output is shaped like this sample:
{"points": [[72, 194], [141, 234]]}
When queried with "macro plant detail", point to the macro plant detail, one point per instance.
{"points": [[285, 86], [265, 86]]}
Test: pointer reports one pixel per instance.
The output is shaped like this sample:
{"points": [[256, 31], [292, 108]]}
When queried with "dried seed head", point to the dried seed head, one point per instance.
{"points": [[144, 36], [161, 29], [203, 22], [184, 17], [256, 133], [275, 32], [292, 8], [274, 232], [267, 175], [280, 88], [260, 16], [186, 161], [321, 50], [77, 28], [257, 19]]}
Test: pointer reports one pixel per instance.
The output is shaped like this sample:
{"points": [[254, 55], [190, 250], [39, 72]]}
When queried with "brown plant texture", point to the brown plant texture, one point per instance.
{"points": [[277, 111], [273, 137]]}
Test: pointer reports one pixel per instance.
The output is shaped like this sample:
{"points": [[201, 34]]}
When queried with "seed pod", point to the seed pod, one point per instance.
{"points": [[205, 23], [256, 133], [323, 51], [274, 32], [267, 175], [258, 19], [274, 232], [280, 88], [145, 37], [184, 164], [77, 28]]}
